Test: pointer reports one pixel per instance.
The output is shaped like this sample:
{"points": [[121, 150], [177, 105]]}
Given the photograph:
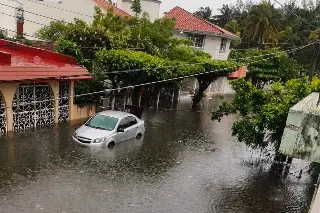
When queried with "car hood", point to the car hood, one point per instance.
{"points": [[91, 133]]}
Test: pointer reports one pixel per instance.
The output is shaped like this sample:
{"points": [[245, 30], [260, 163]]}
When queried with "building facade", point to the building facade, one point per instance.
{"points": [[37, 88], [37, 14], [206, 36]]}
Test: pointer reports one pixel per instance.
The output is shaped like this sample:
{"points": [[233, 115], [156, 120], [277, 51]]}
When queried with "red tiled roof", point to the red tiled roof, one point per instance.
{"points": [[20, 62], [11, 73], [187, 21], [106, 5]]}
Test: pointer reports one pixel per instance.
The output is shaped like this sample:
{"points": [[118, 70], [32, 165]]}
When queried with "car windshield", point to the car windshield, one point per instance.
{"points": [[102, 122]]}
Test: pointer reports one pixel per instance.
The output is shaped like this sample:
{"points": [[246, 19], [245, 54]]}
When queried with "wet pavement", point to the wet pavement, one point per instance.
{"points": [[185, 163]]}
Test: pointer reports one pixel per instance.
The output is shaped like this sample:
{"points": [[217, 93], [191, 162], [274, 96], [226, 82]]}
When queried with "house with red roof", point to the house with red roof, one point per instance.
{"points": [[206, 36], [37, 88]]}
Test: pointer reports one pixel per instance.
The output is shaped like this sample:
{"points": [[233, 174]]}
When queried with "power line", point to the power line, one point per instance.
{"points": [[37, 14], [23, 19], [295, 14], [70, 11], [143, 84]]}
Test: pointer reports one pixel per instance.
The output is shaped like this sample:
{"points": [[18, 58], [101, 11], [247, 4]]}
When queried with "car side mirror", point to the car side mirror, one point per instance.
{"points": [[120, 130]]}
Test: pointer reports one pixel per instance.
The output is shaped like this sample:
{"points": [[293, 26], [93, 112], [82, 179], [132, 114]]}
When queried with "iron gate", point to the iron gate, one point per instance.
{"points": [[33, 107], [3, 123], [63, 102]]}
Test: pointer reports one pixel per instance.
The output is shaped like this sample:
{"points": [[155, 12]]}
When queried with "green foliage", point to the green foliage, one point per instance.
{"points": [[233, 27], [53, 31], [136, 7], [263, 113], [112, 60], [288, 37], [262, 23], [70, 48], [273, 65], [314, 35], [204, 13]]}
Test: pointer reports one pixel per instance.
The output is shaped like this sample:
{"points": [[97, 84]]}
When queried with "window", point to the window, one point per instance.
{"points": [[124, 123], [132, 121], [102, 122], [198, 40], [223, 45]]}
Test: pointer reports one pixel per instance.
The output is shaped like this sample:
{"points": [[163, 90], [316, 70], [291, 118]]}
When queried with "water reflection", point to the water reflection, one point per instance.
{"points": [[185, 163]]}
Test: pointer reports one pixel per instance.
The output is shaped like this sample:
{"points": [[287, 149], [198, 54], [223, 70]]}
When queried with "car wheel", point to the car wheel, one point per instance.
{"points": [[111, 144], [138, 137]]}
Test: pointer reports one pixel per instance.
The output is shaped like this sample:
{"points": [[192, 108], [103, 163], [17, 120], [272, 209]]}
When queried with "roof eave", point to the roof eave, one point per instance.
{"points": [[232, 37]]}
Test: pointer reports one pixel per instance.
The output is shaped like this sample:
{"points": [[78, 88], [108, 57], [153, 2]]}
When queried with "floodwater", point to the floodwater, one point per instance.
{"points": [[185, 163]]}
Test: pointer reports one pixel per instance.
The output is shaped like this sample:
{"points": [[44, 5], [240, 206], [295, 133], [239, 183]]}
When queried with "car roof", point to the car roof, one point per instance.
{"points": [[115, 114]]}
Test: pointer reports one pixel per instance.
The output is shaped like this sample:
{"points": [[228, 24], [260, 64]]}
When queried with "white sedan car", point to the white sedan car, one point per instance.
{"points": [[109, 128]]}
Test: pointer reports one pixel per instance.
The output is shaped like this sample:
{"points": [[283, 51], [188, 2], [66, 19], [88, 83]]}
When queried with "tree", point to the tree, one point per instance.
{"points": [[273, 65], [233, 27], [289, 38], [226, 15], [314, 35], [204, 13], [262, 24], [263, 113], [136, 7]]}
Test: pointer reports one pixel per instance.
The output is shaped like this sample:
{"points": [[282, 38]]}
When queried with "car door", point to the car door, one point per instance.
{"points": [[132, 128], [122, 136]]}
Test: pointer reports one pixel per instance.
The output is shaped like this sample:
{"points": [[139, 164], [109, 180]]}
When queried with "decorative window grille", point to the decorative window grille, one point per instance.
{"points": [[33, 107], [3, 124], [63, 102]]}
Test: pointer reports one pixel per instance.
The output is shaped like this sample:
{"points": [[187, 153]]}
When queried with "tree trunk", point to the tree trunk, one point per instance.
{"points": [[204, 83]]}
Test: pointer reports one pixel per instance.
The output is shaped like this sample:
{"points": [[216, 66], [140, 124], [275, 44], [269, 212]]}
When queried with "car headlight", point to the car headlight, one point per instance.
{"points": [[98, 140]]}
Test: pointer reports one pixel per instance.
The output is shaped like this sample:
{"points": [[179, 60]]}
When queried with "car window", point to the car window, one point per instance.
{"points": [[102, 122], [124, 123], [132, 121]]}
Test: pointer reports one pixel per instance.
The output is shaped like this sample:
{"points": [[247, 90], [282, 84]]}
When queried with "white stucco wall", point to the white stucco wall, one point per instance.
{"points": [[80, 6], [152, 7], [7, 21], [211, 45]]}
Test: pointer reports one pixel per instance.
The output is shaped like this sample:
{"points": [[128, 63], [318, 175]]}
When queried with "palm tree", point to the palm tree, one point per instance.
{"points": [[204, 13], [262, 23], [226, 15]]}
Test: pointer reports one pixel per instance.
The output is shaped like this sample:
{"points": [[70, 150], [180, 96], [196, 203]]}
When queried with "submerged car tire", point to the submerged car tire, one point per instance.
{"points": [[138, 137], [111, 145]]}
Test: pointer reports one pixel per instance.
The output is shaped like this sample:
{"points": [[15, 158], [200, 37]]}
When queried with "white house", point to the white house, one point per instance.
{"points": [[39, 13], [8, 13], [206, 36]]}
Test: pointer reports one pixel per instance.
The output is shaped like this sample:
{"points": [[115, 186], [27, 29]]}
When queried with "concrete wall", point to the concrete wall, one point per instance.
{"points": [[85, 7], [301, 137], [211, 45], [81, 112], [8, 21], [152, 7]]}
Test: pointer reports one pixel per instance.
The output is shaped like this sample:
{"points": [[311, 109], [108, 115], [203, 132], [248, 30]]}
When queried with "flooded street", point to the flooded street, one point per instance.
{"points": [[185, 163]]}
